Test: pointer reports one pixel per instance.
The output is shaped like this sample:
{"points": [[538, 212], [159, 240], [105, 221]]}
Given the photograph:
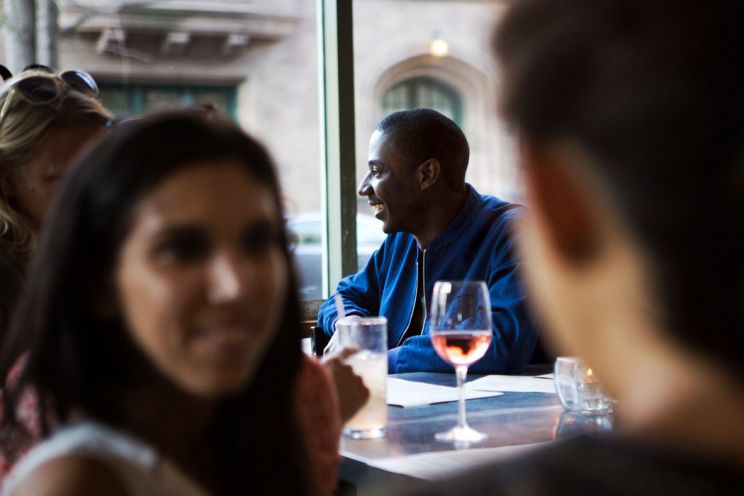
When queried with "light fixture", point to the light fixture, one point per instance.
{"points": [[438, 47]]}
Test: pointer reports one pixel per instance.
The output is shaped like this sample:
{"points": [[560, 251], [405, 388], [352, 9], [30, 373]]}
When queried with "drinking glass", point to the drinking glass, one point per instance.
{"points": [[460, 330], [369, 336], [579, 390]]}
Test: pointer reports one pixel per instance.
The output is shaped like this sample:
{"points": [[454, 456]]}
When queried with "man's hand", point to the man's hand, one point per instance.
{"points": [[352, 393]]}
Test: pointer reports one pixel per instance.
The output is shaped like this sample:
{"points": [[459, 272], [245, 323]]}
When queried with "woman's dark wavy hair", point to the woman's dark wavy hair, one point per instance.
{"points": [[78, 361], [653, 92]]}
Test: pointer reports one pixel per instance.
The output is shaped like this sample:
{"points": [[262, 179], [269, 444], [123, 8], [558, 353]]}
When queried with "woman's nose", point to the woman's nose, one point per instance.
{"points": [[226, 279]]}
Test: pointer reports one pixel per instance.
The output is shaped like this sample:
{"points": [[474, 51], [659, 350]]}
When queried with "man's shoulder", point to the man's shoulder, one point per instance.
{"points": [[494, 217], [492, 205]]}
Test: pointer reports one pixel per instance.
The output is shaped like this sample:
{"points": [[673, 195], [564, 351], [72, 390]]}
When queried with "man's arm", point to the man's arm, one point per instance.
{"points": [[514, 332], [512, 343], [360, 293], [514, 335]]}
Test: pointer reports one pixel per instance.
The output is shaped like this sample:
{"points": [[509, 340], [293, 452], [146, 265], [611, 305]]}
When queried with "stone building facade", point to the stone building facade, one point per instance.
{"points": [[257, 60]]}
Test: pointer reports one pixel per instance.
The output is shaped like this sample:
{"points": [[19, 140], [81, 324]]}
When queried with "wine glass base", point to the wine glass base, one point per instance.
{"points": [[461, 435]]}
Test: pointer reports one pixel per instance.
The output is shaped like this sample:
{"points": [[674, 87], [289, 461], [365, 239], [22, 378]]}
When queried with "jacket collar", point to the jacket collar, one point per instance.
{"points": [[453, 230]]}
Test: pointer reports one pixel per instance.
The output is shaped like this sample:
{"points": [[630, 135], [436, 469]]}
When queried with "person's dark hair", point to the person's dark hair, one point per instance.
{"points": [[423, 134], [78, 359], [653, 93]]}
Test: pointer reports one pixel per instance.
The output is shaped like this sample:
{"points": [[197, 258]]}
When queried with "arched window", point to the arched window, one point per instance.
{"points": [[424, 92]]}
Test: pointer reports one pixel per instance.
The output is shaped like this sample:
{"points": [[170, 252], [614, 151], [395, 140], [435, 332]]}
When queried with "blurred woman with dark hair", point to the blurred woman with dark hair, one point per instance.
{"points": [[629, 116], [161, 325]]}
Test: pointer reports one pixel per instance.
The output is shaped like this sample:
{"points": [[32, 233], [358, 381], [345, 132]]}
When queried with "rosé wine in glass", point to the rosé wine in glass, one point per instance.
{"points": [[460, 332], [461, 348]]}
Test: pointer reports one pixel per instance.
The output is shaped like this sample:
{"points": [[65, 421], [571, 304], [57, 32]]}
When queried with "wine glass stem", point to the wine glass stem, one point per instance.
{"points": [[461, 371]]}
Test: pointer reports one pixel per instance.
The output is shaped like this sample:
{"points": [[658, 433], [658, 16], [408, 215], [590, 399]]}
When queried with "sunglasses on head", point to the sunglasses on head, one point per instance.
{"points": [[42, 90]]}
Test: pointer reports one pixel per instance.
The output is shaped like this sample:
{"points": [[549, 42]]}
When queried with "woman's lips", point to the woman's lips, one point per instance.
{"points": [[223, 341]]}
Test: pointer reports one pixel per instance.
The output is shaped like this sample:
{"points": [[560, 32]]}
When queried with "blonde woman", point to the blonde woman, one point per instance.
{"points": [[45, 119]]}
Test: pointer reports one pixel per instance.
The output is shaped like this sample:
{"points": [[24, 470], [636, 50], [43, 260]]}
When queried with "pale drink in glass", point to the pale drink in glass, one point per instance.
{"points": [[369, 336], [371, 420]]}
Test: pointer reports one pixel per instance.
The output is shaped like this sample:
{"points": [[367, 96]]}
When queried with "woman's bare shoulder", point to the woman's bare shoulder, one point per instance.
{"points": [[70, 475]]}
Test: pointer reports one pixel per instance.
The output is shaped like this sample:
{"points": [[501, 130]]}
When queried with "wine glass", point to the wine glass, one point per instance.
{"points": [[460, 330]]}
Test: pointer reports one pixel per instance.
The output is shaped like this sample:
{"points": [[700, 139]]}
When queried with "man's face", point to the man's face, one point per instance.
{"points": [[391, 185]]}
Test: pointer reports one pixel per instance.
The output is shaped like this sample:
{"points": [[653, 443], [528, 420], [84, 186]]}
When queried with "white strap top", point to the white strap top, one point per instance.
{"points": [[138, 466]]}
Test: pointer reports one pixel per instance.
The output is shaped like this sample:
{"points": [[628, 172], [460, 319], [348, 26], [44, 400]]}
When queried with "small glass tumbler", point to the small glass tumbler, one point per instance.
{"points": [[572, 424], [369, 336], [579, 390]]}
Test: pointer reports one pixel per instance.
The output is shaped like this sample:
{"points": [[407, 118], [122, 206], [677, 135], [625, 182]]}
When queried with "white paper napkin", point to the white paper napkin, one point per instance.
{"points": [[409, 393], [513, 384]]}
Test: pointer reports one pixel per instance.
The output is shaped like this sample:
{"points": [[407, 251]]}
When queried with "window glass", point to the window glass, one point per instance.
{"points": [[433, 54], [117, 100], [164, 99], [252, 60], [136, 99], [305, 233], [424, 92]]}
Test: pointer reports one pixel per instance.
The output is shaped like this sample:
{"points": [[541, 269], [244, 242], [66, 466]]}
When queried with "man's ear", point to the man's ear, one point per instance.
{"points": [[428, 173], [561, 199]]}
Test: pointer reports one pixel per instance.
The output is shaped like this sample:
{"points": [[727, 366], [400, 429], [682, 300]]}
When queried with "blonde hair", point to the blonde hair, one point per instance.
{"points": [[23, 127]]}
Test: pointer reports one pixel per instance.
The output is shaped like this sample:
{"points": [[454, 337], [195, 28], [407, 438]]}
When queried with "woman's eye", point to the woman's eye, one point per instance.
{"points": [[183, 248], [260, 239]]}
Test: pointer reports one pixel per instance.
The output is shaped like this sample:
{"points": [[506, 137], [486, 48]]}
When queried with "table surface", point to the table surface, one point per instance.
{"points": [[509, 420]]}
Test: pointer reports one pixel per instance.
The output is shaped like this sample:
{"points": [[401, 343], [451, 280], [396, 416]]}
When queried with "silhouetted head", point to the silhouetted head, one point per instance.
{"points": [[629, 114]]}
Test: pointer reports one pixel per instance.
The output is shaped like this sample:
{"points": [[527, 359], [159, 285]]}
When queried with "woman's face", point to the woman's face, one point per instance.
{"points": [[202, 277], [32, 186]]}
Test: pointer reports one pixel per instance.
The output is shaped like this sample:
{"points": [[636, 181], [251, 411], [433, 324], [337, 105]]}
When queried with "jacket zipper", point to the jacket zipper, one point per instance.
{"points": [[423, 288], [415, 298]]}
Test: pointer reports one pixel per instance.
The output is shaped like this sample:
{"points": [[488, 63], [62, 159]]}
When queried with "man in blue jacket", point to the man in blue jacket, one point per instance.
{"points": [[439, 228]]}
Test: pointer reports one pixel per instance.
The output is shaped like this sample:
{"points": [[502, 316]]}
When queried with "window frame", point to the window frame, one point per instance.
{"points": [[338, 154]]}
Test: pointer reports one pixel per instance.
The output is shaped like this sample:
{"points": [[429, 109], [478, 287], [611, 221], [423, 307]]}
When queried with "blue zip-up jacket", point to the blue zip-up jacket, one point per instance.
{"points": [[477, 245]]}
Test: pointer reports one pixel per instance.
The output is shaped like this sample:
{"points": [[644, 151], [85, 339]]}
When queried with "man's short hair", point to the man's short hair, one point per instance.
{"points": [[652, 94], [423, 134]]}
